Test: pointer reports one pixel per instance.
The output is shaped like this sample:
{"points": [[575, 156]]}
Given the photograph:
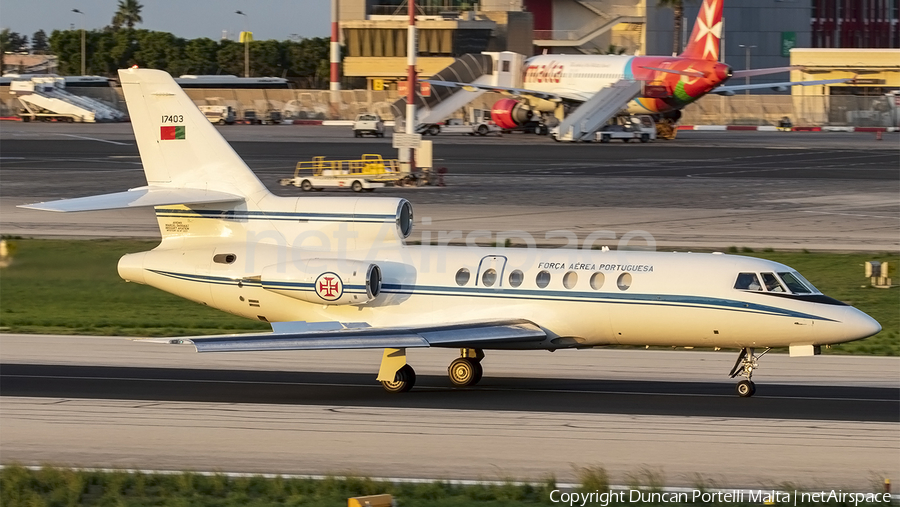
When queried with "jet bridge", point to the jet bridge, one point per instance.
{"points": [[492, 69], [45, 97], [589, 117]]}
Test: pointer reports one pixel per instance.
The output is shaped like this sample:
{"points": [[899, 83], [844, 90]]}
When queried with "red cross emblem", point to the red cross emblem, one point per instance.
{"points": [[329, 286]]}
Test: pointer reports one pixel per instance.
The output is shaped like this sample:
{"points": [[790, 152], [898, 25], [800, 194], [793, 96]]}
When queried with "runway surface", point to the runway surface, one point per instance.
{"points": [[712, 190], [494, 393], [113, 402]]}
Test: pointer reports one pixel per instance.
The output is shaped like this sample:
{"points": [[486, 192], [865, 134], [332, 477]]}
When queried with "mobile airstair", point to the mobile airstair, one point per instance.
{"points": [[591, 116], [45, 98], [491, 69]]}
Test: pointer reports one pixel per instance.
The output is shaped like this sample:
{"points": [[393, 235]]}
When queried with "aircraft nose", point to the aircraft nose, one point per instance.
{"points": [[861, 325]]}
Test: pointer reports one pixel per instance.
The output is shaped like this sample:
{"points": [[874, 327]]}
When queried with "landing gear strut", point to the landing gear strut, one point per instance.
{"points": [[744, 366], [466, 370]]}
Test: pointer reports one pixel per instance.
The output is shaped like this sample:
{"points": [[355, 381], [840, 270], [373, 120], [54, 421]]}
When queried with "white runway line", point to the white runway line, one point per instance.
{"points": [[96, 139]]}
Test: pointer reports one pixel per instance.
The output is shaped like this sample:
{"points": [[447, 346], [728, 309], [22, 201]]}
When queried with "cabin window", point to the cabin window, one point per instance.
{"points": [[597, 280], [624, 281], [771, 282], [489, 278], [570, 279], [516, 278], [543, 279], [747, 281], [462, 277], [224, 258]]}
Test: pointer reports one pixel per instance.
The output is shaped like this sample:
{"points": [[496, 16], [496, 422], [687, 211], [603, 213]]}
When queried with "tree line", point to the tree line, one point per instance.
{"points": [[304, 61]]}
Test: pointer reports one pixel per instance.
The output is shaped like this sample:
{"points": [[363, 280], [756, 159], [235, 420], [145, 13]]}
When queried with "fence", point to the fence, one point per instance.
{"points": [[812, 110]]}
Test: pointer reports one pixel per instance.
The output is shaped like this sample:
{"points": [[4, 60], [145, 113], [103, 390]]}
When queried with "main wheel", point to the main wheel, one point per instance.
{"points": [[745, 388], [404, 380], [356, 186], [306, 186], [465, 372]]}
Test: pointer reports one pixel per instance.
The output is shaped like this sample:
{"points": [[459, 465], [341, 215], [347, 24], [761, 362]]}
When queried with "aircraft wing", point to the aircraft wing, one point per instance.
{"points": [[335, 335], [515, 92], [136, 197], [730, 90]]}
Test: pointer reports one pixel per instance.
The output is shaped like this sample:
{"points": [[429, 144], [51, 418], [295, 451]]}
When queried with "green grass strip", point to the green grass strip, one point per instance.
{"points": [[50, 486], [72, 287]]}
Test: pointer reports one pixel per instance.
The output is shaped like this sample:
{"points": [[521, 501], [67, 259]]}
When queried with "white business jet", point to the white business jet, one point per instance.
{"points": [[334, 272]]}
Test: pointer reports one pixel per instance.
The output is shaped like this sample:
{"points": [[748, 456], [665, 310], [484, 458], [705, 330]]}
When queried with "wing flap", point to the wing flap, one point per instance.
{"points": [[136, 197], [517, 333]]}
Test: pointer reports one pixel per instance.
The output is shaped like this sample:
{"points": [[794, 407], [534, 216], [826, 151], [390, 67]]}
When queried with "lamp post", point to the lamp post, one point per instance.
{"points": [[76, 11], [246, 45], [747, 49]]}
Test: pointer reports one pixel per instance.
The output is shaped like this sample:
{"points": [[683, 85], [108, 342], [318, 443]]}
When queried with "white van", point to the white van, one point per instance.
{"points": [[220, 115]]}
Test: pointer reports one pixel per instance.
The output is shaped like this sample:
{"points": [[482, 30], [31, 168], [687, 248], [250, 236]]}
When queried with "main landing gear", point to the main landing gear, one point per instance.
{"points": [[398, 377], [744, 366], [466, 370]]}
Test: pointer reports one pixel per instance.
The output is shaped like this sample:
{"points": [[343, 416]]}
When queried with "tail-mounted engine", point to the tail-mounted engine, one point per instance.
{"points": [[325, 281]]}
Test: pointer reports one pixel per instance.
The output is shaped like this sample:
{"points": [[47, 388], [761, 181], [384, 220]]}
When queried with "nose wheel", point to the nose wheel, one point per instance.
{"points": [[466, 370], [744, 366]]}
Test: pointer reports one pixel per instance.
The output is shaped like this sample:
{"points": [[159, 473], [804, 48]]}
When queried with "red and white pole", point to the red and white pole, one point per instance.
{"points": [[411, 50], [335, 85]]}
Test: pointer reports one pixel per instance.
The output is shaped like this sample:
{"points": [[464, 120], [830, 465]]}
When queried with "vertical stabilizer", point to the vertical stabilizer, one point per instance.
{"points": [[179, 147], [704, 41]]}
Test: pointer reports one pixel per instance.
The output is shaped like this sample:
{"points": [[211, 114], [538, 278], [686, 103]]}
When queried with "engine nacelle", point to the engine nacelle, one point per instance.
{"points": [[510, 113], [324, 281]]}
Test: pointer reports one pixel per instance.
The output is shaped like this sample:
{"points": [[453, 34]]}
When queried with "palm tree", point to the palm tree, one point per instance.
{"points": [[128, 14], [677, 7]]}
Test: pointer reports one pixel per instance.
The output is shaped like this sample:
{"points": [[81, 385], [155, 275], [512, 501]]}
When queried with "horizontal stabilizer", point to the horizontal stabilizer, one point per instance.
{"points": [[730, 90], [319, 336], [136, 197], [762, 72]]}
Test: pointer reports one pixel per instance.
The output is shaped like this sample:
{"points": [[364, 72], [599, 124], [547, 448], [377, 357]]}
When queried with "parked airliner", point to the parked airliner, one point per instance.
{"points": [[555, 85], [335, 272]]}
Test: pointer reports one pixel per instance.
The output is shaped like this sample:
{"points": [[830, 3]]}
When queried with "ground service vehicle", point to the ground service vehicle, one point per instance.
{"points": [[220, 115], [251, 117], [368, 173], [368, 123], [627, 128], [478, 122]]}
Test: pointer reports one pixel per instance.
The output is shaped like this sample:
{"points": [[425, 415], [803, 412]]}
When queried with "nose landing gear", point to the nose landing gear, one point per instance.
{"points": [[744, 366]]}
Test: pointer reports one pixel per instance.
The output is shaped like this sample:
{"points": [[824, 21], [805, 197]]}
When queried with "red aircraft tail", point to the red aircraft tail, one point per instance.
{"points": [[704, 41]]}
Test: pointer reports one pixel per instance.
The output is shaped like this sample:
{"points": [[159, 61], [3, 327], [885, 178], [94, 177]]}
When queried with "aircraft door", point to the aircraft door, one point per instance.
{"points": [[491, 271]]}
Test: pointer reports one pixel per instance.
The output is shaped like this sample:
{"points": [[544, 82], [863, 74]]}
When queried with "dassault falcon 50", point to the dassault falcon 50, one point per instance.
{"points": [[336, 273]]}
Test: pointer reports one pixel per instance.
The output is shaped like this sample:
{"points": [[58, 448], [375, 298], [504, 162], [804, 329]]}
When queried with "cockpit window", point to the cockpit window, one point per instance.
{"points": [[772, 283], [796, 283], [747, 281]]}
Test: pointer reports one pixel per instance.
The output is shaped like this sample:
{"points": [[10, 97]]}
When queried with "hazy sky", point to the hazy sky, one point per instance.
{"points": [[189, 19]]}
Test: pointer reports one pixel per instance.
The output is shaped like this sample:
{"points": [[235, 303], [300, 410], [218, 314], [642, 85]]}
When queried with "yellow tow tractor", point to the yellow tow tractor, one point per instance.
{"points": [[368, 173]]}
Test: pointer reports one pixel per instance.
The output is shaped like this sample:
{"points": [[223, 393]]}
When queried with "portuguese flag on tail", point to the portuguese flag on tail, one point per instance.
{"points": [[171, 133]]}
